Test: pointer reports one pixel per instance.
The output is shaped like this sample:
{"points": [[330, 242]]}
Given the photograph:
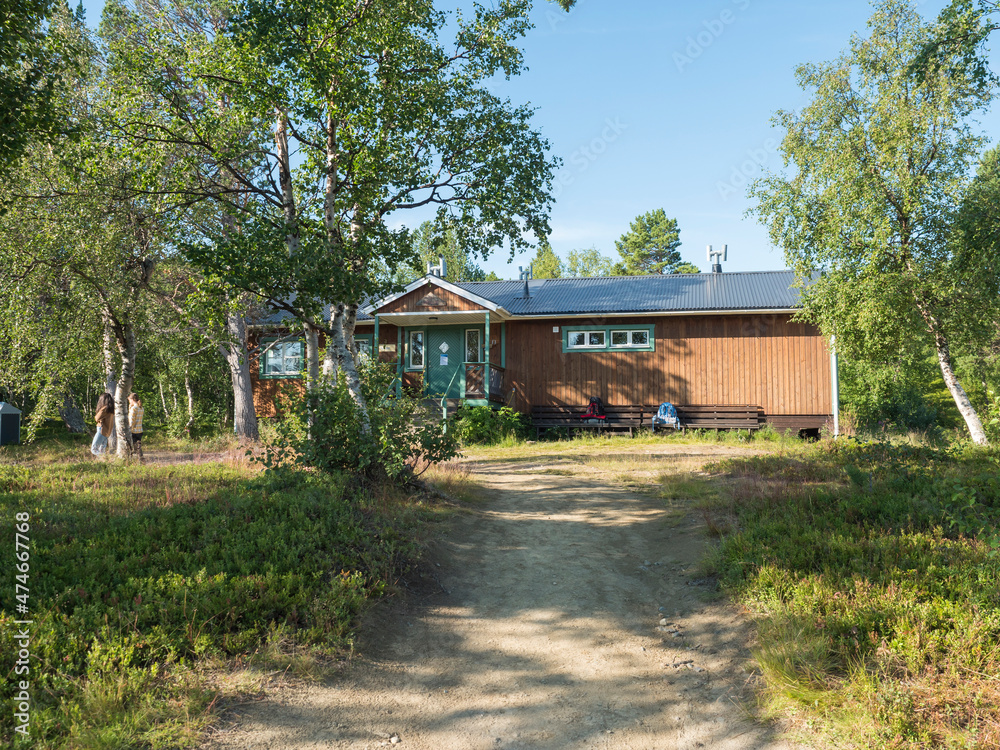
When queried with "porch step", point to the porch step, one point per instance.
{"points": [[433, 405]]}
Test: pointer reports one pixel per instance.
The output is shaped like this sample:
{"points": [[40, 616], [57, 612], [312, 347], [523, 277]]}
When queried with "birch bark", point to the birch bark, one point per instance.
{"points": [[125, 339]]}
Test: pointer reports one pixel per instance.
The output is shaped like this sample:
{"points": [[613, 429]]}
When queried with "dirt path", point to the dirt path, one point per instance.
{"points": [[544, 633]]}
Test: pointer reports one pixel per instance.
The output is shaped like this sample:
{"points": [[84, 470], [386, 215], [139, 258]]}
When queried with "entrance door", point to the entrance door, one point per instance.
{"points": [[445, 356]]}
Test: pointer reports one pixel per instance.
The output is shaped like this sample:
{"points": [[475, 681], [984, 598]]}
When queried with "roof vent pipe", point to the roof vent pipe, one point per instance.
{"points": [[718, 255], [525, 276]]}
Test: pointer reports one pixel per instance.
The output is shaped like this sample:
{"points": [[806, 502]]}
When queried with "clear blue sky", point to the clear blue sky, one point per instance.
{"points": [[667, 105]]}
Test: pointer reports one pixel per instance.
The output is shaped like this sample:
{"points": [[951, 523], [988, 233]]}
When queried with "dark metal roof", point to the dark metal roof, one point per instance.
{"points": [[607, 295], [282, 318], [701, 292]]}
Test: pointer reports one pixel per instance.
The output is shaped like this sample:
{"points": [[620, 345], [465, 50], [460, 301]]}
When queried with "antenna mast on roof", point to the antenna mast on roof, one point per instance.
{"points": [[525, 276], [440, 270], [719, 255]]}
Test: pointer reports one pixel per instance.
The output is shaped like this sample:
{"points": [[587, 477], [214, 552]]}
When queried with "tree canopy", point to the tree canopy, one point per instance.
{"points": [[650, 246], [589, 262], [546, 264], [881, 163]]}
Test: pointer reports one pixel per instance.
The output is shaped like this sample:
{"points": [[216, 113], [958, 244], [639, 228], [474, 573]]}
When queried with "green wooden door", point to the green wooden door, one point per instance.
{"points": [[445, 355]]}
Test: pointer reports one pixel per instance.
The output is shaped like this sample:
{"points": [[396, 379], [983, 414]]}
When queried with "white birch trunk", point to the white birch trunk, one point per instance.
{"points": [[190, 399], [965, 407], [235, 354], [125, 338], [312, 355], [163, 400], [292, 233], [345, 361], [110, 376]]}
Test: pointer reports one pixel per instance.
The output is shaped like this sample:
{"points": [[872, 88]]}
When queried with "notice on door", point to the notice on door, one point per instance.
{"points": [[444, 359]]}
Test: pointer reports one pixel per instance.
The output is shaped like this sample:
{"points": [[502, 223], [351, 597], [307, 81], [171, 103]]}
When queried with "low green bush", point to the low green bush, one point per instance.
{"points": [[139, 574], [322, 429], [873, 569], [484, 425]]}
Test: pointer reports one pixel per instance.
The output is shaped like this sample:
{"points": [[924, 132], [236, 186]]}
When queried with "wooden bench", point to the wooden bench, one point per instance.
{"points": [[720, 417], [617, 418], [631, 418]]}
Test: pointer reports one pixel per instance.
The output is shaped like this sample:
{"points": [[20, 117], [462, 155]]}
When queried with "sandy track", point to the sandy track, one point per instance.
{"points": [[542, 634]]}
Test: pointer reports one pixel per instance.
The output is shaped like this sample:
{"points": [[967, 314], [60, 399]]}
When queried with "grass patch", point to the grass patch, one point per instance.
{"points": [[874, 572], [142, 578], [454, 480]]}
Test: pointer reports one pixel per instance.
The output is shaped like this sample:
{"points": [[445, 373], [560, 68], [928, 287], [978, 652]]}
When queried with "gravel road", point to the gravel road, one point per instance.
{"points": [[559, 613]]}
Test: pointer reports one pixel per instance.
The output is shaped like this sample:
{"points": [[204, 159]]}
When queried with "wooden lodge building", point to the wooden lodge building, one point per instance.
{"points": [[694, 339]]}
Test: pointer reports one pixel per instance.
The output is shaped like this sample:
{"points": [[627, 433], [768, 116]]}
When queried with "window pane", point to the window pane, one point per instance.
{"points": [[272, 361], [417, 349], [577, 338], [293, 357], [364, 347], [596, 338], [640, 338], [472, 345], [619, 338]]}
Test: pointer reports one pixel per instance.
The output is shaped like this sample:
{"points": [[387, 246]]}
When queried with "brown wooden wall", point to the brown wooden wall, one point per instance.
{"points": [[765, 360], [408, 302], [265, 392]]}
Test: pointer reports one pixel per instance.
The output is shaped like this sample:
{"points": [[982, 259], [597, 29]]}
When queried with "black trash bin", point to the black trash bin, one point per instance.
{"points": [[10, 424]]}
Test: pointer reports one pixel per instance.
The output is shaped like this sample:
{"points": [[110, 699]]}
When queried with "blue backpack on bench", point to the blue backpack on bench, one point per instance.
{"points": [[666, 417]]}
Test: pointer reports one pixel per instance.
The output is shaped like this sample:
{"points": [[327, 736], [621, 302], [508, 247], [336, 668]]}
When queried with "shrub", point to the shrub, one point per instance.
{"points": [[483, 425], [322, 430], [140, 573]]}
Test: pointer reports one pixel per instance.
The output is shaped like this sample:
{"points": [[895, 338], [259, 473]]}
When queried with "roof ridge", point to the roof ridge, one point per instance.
{"points": [[702, 275]]}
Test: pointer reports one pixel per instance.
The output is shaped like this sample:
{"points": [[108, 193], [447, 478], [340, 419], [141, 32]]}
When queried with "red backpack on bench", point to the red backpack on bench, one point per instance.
{"points": [[595, 410]]}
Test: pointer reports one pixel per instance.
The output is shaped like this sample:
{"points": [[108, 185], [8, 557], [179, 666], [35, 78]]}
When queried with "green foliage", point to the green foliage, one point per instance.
{"points": [[419, 127], [898, 397], [959, 39], [546, 264], [590, 262], [429, 242], [872, 568], [484, 425], [320, 429], [872, 212], [650, 245], [140, 574], [38, 50]]}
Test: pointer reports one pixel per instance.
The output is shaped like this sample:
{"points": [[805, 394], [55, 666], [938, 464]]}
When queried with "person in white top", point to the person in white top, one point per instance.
{"points": [[135, 413]]}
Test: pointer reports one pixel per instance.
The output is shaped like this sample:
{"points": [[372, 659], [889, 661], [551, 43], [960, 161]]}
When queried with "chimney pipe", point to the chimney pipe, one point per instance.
{"points": [[525, 275]]}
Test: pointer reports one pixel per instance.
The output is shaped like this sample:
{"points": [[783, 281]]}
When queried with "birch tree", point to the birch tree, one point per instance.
{"points": [[330, 121], [878, 166]]}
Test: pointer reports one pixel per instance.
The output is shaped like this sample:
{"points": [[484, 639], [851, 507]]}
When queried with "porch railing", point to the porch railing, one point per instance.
{"points": [[479, 384]]}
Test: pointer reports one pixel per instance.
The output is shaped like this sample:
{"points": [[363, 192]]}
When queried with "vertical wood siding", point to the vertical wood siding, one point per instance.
{"points": [[765, 360], [409, 302]]}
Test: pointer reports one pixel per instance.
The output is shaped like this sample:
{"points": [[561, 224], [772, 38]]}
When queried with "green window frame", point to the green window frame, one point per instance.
{"points": [[608, 338], [364, 343], [281, 358], [636, 338], [478, 346], [410, 349]]}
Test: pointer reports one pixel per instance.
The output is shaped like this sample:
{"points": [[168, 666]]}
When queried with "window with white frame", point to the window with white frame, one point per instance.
{"points": [[596, 339], [416, 349], [626, 339], [281, 359], [472, 344], [590, 338]]}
